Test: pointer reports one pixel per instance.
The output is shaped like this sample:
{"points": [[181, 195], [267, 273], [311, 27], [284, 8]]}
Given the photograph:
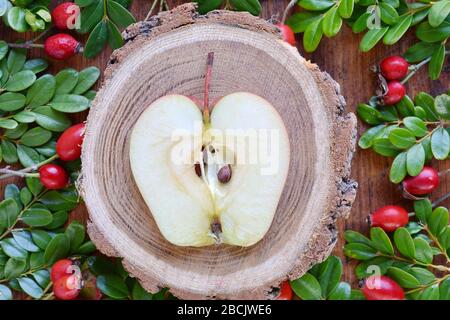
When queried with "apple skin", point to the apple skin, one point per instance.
{"points": [[185, 207]]}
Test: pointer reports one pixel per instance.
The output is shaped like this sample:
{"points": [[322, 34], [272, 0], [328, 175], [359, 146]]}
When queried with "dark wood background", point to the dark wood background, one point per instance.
{"points": [[340, 57]]}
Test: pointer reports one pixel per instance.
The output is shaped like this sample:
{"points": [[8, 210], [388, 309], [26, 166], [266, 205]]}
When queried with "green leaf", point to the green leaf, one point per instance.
{"points": [[9, 210], [346, 8], [398, 30], [41, 238], [413, 227], [438, 12], [252, 6], [59, 219], [57, 200], [25, 196], [369, 267], [355, 237], [444, 289], [15, 18], [424, 100], [9, 152], [442, 105], [438, 220], [12, 101], [115, 39], [440, 144], [332, 22], [423, 251], [8, 124], [20, 81], [35, 65], [3, 49], [436, 62], [402, 138], [415, 160], [91, 16], [371, 38], [312, 35], [361, 23], [24, 240], [403, 278], [5, 293], [51, 119], [359, 251], [24, 117], [42, 277], [205, 6], [384, 147], [70, 103], [37, 217], [66, 80], [119, 15], [307, 287], [75, 232], [139, 293], [12, 192], [113, 286], [423, 275], [444, 237], [315, 5], [416, 125], [14, 268], [12, 249], [57, 248], [301, 20], [369, 114], [41, 91], [430, 293], [420, 51], [17, 132], [330, 274], [34, 185], [381, 241], [87, 248], [341, 292], [16, 60], [398, 168], [86, 79], [404, 243], [388, 14], [427, 33], [36, 137], [30, 287], [367, 139], [97, 39], [47, 150]]}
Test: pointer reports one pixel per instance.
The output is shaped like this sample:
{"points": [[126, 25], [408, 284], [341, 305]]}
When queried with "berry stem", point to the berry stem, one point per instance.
{"points": [[7, 173], [209, 64], [414, 68], [25, 45], [288, 8], [152, 8]]}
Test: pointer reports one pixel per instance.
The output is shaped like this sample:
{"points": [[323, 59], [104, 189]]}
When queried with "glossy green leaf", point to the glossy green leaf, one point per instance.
{"points": [[423, 251], [27, 156], [139, 293], [16, 60], [438, 220], [359, 251], [14, 268], [440, 143], [24, 117], [381, 241], [8, 123], [41, 238], [252, 6], [115, 39], [86, 79], [37, 217], [415, 160], [426, 101], [51, 119], [42, 277], [25, 196], [20, 81], [369, 114], [9, 152], [402, 138], [439, 12], [36, 137], [16, 19], [300, 21], [313, 35], [56, 249], [403, 278], [436, 62], [112, 286], [34, 185], [17, 132], [307, 287], [86, 248], [420, 51], [3, 49], [396, 31], [388, 14], [41, 91], [332, 22], [59, 219], [442, 105], [315, 5], [371, 38], [330, 274], [355, 237], [361, 23], [91, 16], [30, 287], [444, 290], [75, 232], [56, 201], [404, 243], [368, 267], [12, 249], [97, 39], [66, 80], [423, 275], [36, 65], [430, 293], [205, 6], [12, 101], [120, 16], [341, 292], [415, 125], [384, 147], [9, 210], [369, 136], [5, 293], [427, 33], [69, 103], [24, 240], [346, 8]]}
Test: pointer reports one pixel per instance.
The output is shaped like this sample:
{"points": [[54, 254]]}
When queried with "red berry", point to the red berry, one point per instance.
{"points": [[53, 176], [61, 46], [285, 291], [68, 146], [382, 288], [424, 183], [395, 92], [64, 16], [394, 68], [67, 288], [60, 269], [389, 218], [287, 33]]}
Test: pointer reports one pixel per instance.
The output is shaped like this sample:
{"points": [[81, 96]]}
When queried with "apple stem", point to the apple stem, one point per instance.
{"points": [[209, 64]]}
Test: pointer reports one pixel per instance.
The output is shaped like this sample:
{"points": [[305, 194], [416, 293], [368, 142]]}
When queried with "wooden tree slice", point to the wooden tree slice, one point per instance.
{"points": [[167, 55]]}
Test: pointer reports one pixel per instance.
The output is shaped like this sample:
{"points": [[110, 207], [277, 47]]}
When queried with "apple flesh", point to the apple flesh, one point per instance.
{"points": [[171, 137]]}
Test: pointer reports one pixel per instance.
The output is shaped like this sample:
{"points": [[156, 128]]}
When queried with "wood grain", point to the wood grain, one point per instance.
{"points": [[340, 57]]}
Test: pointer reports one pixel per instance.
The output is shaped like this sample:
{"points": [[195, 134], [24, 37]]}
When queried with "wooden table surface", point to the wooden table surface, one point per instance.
{"points": [[340, 57]]}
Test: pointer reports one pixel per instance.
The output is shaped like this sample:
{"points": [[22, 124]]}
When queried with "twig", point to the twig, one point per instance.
{"points": [[7, 173], [288, 8]]}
